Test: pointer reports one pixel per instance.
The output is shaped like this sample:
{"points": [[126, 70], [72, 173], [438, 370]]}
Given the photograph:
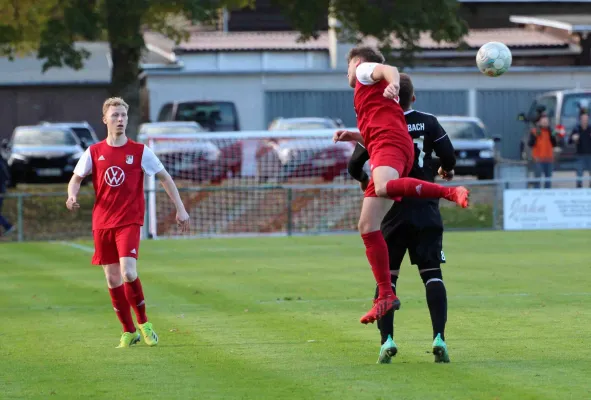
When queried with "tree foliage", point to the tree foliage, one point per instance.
{"points": [[382, 19], [52, 27]]}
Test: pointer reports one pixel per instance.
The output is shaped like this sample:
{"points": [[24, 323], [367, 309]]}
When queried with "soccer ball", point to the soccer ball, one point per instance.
{"points": [[493, 59]]}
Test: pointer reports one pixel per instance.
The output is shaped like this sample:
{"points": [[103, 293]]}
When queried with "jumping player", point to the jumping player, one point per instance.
{"points": [[385, 135], [118, 166], [415, 224]]}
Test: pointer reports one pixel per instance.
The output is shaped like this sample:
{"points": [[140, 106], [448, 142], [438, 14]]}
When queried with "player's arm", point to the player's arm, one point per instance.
{"points": [[445, 151], [82, 169], [153, 166], [356, 163], [370, 73]]}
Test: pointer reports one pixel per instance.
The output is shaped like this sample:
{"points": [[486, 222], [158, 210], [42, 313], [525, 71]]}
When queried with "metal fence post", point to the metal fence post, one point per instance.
{"points": [[289, 211], [19, 216]]}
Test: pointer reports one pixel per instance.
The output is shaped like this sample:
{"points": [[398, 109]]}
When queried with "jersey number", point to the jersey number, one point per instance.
{"points": [[419, 143]]}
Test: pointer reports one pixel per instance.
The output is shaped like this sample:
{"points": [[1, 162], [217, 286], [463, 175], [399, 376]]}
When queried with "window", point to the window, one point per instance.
{"points": [[165, 113], [84, 134], [571, 107], [463, 130], [34, 137], [214, 116], [549, 104]]}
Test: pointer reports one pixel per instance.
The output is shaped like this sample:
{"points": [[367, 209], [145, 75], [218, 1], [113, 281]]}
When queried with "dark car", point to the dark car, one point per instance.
{"points": [[43, 154], [563, 108], [215, 116], [476, 153]]}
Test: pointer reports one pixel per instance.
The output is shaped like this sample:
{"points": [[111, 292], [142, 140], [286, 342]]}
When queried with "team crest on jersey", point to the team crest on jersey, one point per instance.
{"points": [[129, 159]]}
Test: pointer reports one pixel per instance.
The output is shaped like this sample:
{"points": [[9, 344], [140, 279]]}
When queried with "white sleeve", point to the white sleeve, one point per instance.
{"points": [[84, 166], [150, 162], [364, 71]]}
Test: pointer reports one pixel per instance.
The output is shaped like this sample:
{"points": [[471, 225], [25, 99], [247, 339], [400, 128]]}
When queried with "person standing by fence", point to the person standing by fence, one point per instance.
{"points": [[581, 136], [4, 178], [542, 140]]}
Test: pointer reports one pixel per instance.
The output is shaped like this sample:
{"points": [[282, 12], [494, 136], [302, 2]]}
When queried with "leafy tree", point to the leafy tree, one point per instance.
{"points": [[51, 27]]}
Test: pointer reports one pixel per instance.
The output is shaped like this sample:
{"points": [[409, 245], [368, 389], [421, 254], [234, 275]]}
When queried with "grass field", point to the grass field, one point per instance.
{"points": [[277, 318]]}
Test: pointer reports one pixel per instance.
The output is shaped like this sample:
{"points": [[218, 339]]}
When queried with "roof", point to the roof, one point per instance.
{"points": [[285, 41], [570, 23]]}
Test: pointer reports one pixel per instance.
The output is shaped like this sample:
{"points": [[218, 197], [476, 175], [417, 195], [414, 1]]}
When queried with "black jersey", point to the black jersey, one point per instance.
{"points": [[429, 137]]}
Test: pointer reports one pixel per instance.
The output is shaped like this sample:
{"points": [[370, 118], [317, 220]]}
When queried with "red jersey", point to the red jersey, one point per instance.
{"points": [[118, 180], [380, 120]]}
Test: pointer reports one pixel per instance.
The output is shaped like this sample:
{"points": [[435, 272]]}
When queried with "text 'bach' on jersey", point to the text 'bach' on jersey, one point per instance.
{"points": [[428, 136], [118, 180]]}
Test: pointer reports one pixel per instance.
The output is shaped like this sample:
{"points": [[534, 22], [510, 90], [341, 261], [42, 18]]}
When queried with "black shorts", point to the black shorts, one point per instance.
{"points": [[424, 245]]}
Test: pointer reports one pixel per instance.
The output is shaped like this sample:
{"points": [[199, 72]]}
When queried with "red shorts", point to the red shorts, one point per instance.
{"points": [[112, 244], [401, 158]]}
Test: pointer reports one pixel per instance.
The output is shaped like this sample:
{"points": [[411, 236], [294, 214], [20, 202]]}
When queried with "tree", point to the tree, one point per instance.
{"points": [[51, 27], [382, 19]]}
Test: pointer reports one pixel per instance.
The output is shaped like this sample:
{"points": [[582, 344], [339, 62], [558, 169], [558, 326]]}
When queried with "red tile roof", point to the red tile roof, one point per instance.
{"points": [[282, 41]]}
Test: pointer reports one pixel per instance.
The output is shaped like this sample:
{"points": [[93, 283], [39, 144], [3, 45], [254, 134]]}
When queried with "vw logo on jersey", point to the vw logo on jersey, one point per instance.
{"points": [[114, 176]]}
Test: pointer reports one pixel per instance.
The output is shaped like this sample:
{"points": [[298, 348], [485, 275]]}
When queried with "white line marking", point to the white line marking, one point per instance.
{"points": [[78, 246]]}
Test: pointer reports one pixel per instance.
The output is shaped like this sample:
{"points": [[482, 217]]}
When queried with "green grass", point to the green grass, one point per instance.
{"points": [[277, 318]]}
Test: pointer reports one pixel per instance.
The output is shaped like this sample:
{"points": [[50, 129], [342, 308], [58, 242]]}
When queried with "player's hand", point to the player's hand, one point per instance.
{"points": [[391, 91], [446, 175], [182, 220], [72, 203], [575, 137], [345, 136]]}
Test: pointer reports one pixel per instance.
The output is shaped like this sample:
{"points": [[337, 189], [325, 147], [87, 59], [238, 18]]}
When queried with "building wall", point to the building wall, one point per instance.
{"points": [[31, 105], [435, 86]]}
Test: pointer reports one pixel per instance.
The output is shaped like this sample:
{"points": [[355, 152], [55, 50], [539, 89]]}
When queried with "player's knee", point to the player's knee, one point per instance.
{"points": [[381, 190], [431, 275], [128, 270], [366, 226]]}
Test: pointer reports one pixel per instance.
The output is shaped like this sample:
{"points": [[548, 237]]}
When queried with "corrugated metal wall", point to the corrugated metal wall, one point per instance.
{"points": [[498, 109], [339, 104]]}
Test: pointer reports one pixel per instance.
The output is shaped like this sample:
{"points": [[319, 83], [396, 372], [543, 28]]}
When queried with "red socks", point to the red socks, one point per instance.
{"points": [[411, 187], [122, 309], [377, 255], [135, 297]]}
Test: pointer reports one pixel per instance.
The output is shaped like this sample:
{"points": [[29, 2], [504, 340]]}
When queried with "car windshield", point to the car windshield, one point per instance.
{"points": [[303, 125], [212, 116], [34, 137], [84, 134], [570, 109], [463, 130], [167, 130]]}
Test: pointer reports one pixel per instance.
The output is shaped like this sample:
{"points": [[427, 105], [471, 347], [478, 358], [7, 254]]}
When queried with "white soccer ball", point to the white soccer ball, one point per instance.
{"points": [[494, 59]]}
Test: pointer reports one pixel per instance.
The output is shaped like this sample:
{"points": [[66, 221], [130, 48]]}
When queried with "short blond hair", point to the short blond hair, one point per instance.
{"points": [[114, 102]]}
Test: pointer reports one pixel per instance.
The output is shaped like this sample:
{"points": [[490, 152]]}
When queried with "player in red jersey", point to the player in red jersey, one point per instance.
{"points": [[384, 132], [118, 166]]}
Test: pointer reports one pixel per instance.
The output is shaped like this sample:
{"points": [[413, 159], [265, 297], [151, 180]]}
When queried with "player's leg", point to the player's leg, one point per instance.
{"points": [[105, 254], [427, 253], [128, 241], [396, 250], [393, 186], [373, 211]]}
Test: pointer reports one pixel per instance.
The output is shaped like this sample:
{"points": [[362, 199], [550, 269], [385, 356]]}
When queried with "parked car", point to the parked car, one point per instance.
{"points": [[43, 154], [286, 124], [218, 116], [475, 149], [284, 158], [195, 160], [563, 108], [83, 130]]}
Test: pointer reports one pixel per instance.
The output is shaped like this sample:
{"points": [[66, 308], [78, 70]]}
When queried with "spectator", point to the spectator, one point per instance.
{"points": [[4, 178], [581, 136], [542, 140]]}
